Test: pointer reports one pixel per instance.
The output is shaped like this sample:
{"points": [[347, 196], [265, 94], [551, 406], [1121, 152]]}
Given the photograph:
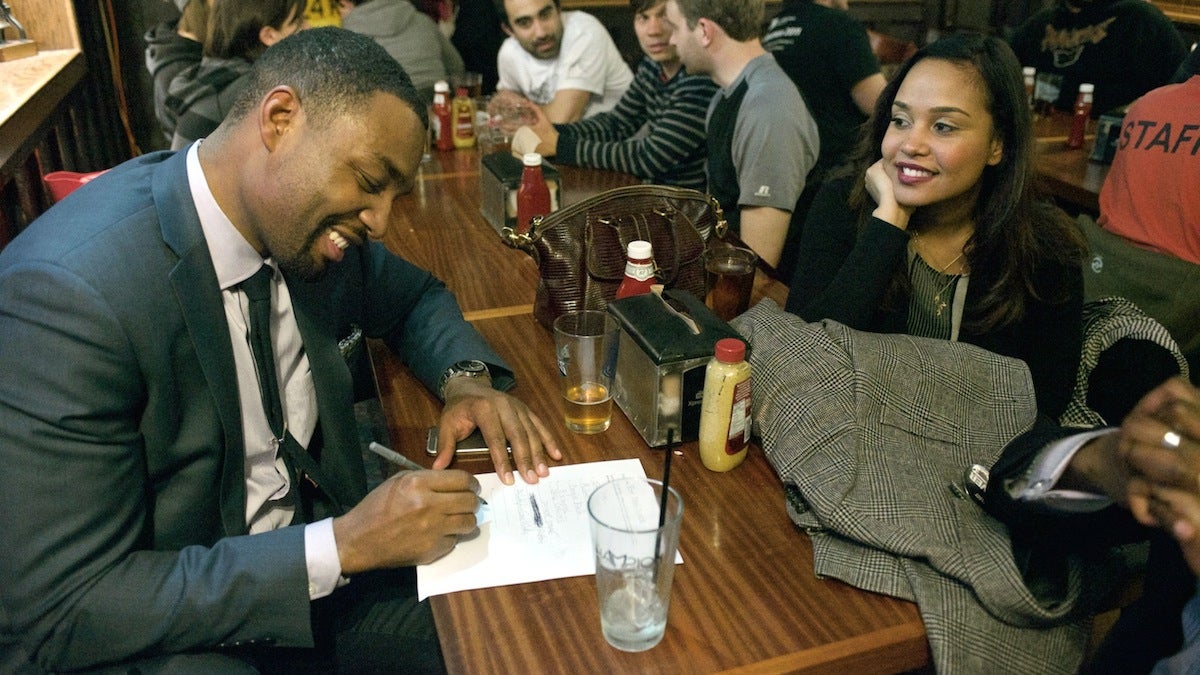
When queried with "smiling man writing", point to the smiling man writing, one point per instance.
{"points": [[165, 507]]}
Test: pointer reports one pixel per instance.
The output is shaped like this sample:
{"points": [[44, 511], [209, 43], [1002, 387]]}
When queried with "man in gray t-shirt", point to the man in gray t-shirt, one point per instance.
{"points": [[762, 140]]}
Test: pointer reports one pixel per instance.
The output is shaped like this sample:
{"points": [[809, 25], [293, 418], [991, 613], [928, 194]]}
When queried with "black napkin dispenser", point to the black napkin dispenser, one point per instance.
{"points": [[659, 380], [499, 179]]}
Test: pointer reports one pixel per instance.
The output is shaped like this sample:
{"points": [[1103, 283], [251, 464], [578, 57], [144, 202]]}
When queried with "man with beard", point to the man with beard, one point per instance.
{"points": [[565, 62], [1124, 47], [172, 498], [656, 132]]}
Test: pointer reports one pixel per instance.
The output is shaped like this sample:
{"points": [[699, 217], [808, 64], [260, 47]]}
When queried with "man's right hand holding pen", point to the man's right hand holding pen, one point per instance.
{"points": [[417, 516]]}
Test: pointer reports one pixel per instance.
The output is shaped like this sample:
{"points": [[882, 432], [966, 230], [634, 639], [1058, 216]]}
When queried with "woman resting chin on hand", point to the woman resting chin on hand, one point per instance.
{"points": [[934, 229]]}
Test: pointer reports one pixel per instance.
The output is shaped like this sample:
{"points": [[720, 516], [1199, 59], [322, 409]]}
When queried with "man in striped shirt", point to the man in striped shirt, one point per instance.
{"points": [[656, 131]]}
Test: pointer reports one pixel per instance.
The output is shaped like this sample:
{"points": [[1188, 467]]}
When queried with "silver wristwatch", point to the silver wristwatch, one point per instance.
{"points": [[469, 368]]}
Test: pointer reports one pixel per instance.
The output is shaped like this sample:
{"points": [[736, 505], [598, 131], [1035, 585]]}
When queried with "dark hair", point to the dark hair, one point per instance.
{"points": [[1016, 230], [233, 26], [741, 20], [504, 12], [639, 6], [332, 70]]}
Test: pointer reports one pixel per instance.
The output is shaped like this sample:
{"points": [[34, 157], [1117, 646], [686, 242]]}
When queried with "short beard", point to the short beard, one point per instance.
{"points": [[302, 264]]}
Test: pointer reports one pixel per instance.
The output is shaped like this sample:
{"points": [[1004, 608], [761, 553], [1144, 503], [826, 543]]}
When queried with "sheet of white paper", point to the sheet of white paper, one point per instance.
{"points": [[535, 532]]}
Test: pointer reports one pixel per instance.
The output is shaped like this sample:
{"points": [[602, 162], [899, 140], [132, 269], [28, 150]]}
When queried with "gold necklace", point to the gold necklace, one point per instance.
{"points": [[939, 305]]}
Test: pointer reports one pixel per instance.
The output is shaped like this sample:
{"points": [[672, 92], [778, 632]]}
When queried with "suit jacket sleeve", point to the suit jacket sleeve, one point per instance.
{"points": [[420, 320], [1034, 527]]}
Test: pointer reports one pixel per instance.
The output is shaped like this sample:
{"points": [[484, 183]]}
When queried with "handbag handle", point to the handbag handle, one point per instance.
{"points": [[539, 224]]}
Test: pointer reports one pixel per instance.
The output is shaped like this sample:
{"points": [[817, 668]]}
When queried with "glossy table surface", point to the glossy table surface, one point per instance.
{"points": [[745, 599]]}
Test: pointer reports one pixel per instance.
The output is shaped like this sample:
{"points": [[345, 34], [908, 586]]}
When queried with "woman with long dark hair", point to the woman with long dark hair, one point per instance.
{"points": [[935, 228]]}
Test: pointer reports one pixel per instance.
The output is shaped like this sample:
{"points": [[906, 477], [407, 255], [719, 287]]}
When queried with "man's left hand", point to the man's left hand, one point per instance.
{"points": [[503, 420]]}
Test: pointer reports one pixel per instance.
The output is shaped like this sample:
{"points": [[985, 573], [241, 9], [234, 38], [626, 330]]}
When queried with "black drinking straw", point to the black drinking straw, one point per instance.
{"points": [[662, 505]]}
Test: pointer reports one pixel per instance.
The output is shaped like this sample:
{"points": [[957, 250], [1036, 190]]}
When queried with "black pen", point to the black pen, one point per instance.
{"points": [[397, 458]]}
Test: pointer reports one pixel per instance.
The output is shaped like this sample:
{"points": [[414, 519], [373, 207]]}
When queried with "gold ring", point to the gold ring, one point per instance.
{"points": [[1171, 440]]}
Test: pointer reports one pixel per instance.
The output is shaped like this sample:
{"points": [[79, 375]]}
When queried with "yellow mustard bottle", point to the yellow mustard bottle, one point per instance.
{"points": [[725, 407], [462, 112]]}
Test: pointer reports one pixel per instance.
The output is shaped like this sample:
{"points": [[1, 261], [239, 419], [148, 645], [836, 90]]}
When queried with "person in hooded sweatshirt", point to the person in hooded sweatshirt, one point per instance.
{"points": [[410, 36], [238, 33], [1123, 47], [172, 47]]}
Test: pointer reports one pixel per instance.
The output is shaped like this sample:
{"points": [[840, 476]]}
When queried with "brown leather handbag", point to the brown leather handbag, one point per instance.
{"points": [[580, 249]]}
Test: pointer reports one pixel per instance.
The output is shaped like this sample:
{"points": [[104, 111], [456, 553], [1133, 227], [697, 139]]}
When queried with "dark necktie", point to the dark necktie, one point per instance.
{"points": [[258, 289], [299, 462]]}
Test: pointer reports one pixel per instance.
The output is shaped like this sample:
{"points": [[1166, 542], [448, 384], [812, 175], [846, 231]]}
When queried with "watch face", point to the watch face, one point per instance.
{"points": [[471, 366]]}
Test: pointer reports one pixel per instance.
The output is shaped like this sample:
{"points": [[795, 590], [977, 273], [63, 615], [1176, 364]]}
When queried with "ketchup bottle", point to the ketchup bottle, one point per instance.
{"points": [[639, 269], [1029, 74], [443, 121], [1083, 110], [533, 197]]}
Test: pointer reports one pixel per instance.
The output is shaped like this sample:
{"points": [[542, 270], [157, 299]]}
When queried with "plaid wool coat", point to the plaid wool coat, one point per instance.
{"points": [[871, 435]]}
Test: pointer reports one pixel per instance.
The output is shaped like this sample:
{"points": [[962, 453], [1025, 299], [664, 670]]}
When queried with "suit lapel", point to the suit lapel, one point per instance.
{"points": [[340, 457], [195, 284]]}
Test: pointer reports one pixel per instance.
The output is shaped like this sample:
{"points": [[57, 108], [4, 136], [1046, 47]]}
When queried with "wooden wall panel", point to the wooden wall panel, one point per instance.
{"points": [[1186, 12], [50, 22]]}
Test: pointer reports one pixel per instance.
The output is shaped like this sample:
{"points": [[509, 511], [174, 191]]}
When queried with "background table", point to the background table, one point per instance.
{"points": [[745, 599], [1068, 175]]}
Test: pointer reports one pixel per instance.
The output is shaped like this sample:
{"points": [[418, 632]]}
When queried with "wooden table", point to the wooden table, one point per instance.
{"points": [[1068, 175], [745, 600]]}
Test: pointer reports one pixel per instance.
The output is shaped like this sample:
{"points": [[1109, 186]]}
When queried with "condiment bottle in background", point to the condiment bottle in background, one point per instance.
{"points": [[463, 108], [725, 407], [1029, 73], [639, 269], [443, 121], [533, 196], [1083, 111]]}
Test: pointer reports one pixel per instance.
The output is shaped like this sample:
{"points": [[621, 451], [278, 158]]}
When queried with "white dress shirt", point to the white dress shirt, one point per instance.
{"points": [[1038, 483], [270, 500]]}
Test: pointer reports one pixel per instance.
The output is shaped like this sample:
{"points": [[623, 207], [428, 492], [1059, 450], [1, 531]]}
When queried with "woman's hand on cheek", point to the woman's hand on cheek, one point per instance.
{"points": [[883, 191]]}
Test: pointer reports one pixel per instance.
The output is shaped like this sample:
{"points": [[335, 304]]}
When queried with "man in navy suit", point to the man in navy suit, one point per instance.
{"points": [[1074, 493], [150, 514]]}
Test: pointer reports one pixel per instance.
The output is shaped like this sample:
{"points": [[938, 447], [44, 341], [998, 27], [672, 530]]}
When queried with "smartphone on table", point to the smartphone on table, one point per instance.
{"points": [[471, 446]]}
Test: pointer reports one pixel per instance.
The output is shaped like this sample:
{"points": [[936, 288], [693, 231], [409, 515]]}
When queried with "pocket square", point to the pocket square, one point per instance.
{"points": [[349, 345]]}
